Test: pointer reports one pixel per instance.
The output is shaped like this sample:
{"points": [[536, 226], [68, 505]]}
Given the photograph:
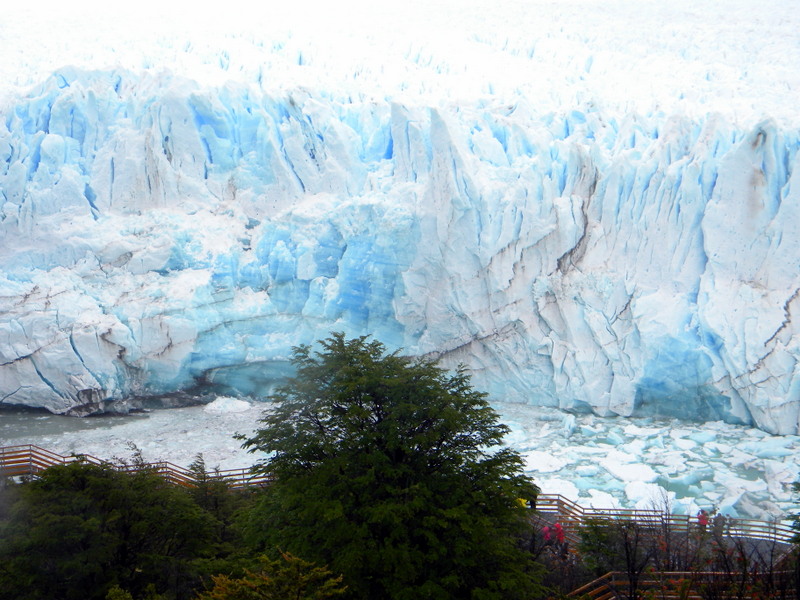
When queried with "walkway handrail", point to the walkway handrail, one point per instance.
{"points": [[609, 583], [594, 587], [30, 460], [571, 514]]}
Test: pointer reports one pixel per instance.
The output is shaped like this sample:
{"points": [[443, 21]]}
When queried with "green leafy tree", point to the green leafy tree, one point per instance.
{"points": [[393, 473], [287, 578], [600, 545], [80, 529], [117, 593]]}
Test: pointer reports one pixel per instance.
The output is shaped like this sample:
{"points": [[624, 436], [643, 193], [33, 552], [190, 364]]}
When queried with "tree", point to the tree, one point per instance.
{"points": [[286, 578], [81, 528], [626, 545], [393, 473]]}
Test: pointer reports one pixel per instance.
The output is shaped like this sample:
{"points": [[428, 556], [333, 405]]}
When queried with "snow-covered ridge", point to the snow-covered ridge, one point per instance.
{"points": [[159, 234], [736, 57]]}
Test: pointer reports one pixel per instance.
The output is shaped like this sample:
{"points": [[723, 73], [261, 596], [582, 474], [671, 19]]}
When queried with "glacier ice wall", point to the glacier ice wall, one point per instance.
{"points": [[160, 236]]}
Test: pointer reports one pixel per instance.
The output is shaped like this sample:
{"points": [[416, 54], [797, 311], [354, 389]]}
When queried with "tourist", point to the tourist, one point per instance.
{"points": [[719, 523], [702, 520]]}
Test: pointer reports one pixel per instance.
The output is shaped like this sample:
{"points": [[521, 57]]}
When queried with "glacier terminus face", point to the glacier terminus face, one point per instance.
{"points": [[163, 234]]}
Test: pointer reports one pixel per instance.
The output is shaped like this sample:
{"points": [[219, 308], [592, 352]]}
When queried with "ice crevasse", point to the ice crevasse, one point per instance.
{"points": [[160, 236]]}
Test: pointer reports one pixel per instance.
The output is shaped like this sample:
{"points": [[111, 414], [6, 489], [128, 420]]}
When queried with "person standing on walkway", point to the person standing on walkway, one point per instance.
{"points": [[559, 532], [702, 520], [719, 523], [561, 543], [548, 536]]}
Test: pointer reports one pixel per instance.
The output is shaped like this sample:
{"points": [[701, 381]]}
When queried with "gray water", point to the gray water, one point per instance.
{"points": [[27, 425], [596, 461]]}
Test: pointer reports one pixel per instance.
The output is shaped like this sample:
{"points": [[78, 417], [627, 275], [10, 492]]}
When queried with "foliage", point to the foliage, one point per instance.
{"points": [[117, 593], [624, 545], [82, 528], [392, 472], [211, 492], [599, 546], [281, 579]]}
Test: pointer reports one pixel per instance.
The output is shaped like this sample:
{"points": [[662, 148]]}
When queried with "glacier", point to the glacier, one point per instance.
{"points": [[160, 234]]}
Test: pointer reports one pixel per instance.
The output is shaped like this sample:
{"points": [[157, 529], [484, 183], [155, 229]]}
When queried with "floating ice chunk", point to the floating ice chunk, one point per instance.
{"points": [[737, 457], [543, 462], [666, 460], [780, 476], [727, 505], [592, 450], [679, 433], [614, 438], [568, 424], [517, 434], [589, 431], [647, 495], [599, 499], [642, 432], [774, 447], [622, 467], [587, 470], [225, 404], [735, 484], [763, 511], [685, 444], [701, 437], [692, 477], [635, 447], [708, 487], [559, 486], [723, 449], [685, 506]]}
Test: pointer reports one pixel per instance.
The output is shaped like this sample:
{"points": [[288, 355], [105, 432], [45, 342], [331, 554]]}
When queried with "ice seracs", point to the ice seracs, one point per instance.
{"points": [[168, 230]]}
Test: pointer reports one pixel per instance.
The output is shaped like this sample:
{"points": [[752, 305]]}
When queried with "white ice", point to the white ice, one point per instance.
{"points": [[591, 206], [592, 203], [652, 471]]}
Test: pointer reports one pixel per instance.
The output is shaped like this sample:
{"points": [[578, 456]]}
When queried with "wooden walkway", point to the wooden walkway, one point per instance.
{"points": [[29, 461], [776, 581], [572, 516], [689, 585]]}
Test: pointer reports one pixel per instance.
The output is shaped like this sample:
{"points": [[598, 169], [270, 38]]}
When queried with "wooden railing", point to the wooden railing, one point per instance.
{"points": [[601, 588], [572, 516], [29, 460], [690, 585]]}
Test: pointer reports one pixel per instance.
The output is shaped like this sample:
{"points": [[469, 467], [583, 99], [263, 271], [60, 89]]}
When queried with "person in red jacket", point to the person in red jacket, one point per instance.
{"points": [[548, 539], [702, 519], [561, 540], [559, 533]]}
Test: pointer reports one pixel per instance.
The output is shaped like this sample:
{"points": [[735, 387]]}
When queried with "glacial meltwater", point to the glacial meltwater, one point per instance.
{"points": [[597, 461]]}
